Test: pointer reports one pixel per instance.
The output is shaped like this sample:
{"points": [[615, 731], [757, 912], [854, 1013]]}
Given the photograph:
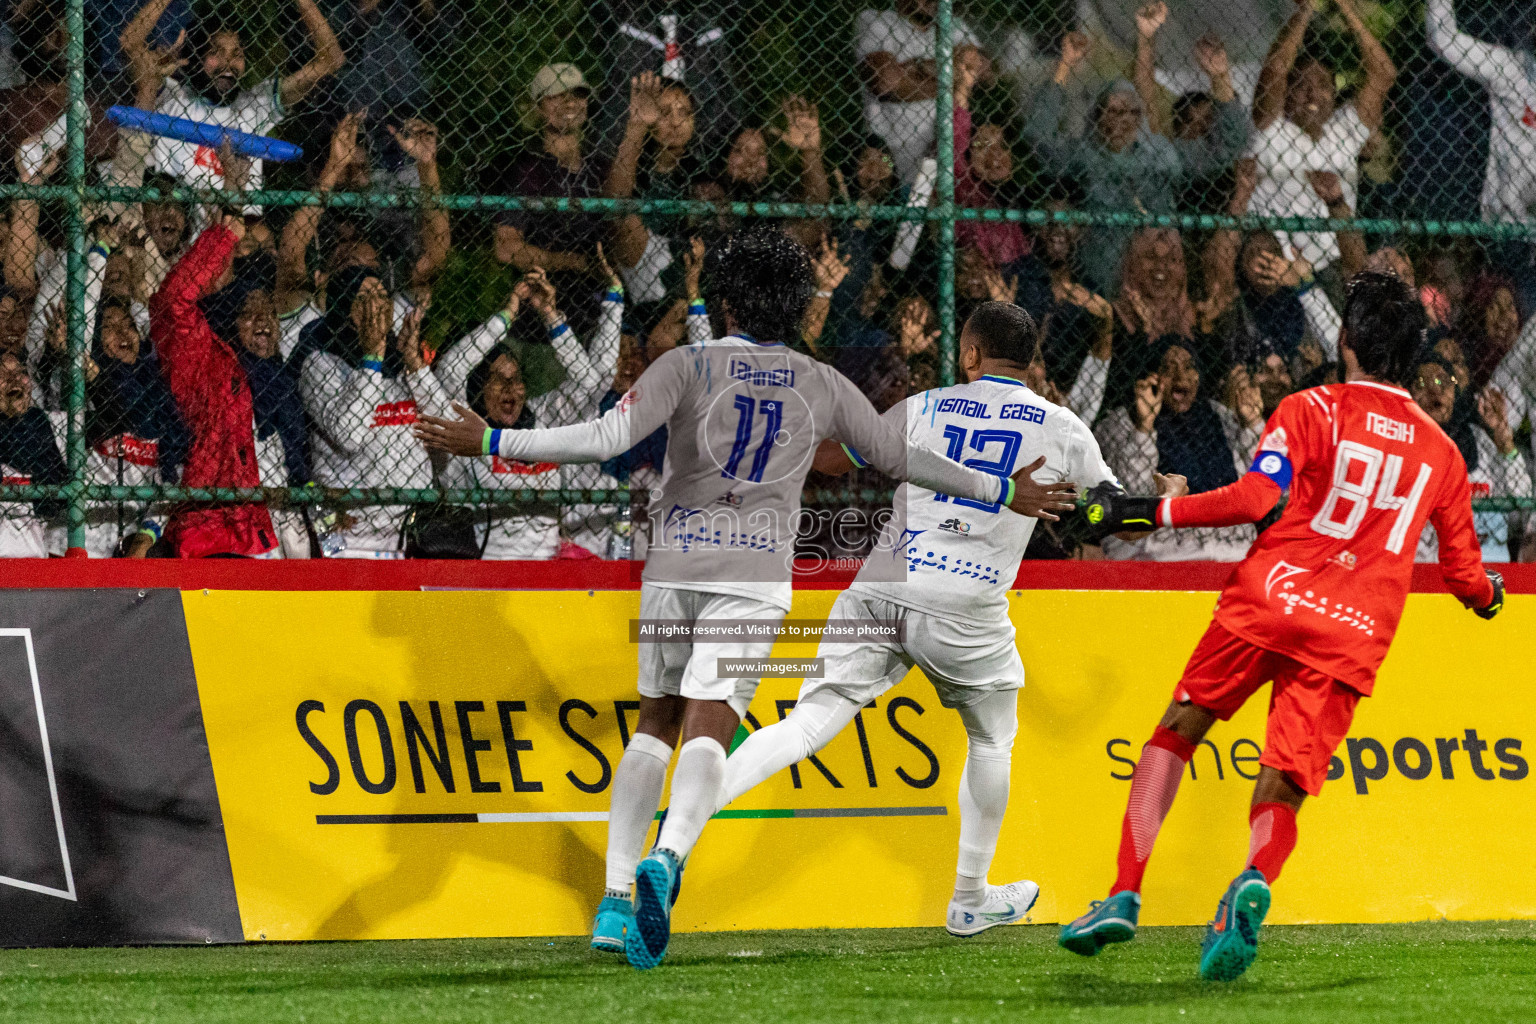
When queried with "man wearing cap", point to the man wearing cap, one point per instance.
{"points": [[564, 244]]}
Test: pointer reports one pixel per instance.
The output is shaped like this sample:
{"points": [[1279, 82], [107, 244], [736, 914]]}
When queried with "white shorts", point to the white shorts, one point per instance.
{"points": [[691, 670], [964, 661]]}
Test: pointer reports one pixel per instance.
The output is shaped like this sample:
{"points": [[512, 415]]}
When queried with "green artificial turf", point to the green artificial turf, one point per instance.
{"points": [[1437, 972]]}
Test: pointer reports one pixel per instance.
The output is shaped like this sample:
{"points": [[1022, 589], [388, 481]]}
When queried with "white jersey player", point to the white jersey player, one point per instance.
{"points": [[744, 418], [951, 611]]}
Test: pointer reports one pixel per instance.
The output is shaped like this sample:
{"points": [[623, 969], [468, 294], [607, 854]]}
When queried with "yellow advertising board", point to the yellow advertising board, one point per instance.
{"points": [[409, 764]]}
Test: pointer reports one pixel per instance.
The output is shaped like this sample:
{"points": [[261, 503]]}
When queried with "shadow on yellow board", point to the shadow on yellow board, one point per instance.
{"points": [[407, 764]]}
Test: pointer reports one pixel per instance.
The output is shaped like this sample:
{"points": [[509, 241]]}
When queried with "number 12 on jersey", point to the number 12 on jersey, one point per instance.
{"points": [[1366, 493], [1002, 466]]}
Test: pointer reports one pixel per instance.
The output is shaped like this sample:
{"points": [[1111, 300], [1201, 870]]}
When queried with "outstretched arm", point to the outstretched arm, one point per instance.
{"points": [[1052, 146], [1380, 72], [882, 442], [148, 71], [327, 60], [418, 140], [1148, 20], [292, 270], [1269, 97], [1482, 62], [645, 407]]}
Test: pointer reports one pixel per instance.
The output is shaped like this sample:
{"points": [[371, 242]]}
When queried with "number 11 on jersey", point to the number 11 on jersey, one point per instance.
{"points": [[772, 410]]}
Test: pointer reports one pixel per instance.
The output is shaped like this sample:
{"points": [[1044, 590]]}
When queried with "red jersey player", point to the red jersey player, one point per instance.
{"points": [[1313, 606]]}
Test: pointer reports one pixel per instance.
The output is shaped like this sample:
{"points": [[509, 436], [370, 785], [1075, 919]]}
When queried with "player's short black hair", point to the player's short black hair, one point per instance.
{"points": [[1384, 323], [763, 280], [1004, 331]]}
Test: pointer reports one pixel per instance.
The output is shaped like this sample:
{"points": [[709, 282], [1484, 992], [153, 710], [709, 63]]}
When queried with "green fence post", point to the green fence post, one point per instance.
{"points": [[944, 135], [76, 120]]}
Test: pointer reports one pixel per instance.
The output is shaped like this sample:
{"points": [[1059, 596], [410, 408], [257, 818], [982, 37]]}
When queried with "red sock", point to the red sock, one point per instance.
{"points": [[1271, 839], [1153, 787]]}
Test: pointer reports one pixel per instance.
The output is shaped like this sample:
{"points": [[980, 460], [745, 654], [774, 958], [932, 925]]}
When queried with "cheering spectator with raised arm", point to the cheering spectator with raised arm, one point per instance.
{"points": [[134, 435], [1301, 129], [481, 369], [1509, 75], [297, 296], [1169, 427], [1122, 166], [209, 88], [563, 243], [896, 56], [655, 160], [983, 163], [214, 397], [363, 384], [301, 294], [747, 178]]}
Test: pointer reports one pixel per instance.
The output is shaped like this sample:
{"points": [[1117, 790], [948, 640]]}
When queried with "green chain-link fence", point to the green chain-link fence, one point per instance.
{"points": [[1177, 192]]}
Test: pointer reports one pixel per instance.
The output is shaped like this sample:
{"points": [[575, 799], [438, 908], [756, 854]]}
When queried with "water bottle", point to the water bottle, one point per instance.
{"points": [[327, 524], [620, 548]]}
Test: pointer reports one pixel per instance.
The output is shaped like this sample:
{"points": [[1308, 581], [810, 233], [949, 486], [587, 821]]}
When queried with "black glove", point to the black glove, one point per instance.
{"points": [[1110, 510], [1497, 604]]}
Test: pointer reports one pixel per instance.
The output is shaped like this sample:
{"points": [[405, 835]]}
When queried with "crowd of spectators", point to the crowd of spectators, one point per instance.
{"points": [[280, 347]]}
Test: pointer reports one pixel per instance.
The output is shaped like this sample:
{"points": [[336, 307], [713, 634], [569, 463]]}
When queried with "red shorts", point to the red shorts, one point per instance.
{"points": [[1309, 713]]}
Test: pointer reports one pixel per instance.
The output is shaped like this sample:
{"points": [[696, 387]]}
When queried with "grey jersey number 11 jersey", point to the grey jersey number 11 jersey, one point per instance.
{"points": [[962, 556]]}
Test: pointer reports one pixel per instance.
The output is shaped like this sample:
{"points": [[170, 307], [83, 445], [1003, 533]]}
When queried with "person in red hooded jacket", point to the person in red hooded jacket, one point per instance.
{"points": [[214, 396]]}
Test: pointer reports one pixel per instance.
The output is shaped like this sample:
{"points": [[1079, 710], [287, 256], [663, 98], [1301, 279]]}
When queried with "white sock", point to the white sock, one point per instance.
{"points": [[990, 727], [983, 801], [970, 890], [810, 726], [696, 786], [636, 794]]}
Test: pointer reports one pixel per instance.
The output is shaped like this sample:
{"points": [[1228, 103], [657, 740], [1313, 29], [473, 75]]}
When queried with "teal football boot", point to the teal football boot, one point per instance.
{"points": [[614, 918], [1232, 939], [1107, 921]]}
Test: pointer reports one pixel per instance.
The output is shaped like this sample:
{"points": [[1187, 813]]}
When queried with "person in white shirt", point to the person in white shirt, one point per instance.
{"points": [[134, 434], [1509, 75], [300, 294], [896, 56], [29, 454], [1300, 129], [487, 376], [209, 89], [954, 560], [363, 386]]}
